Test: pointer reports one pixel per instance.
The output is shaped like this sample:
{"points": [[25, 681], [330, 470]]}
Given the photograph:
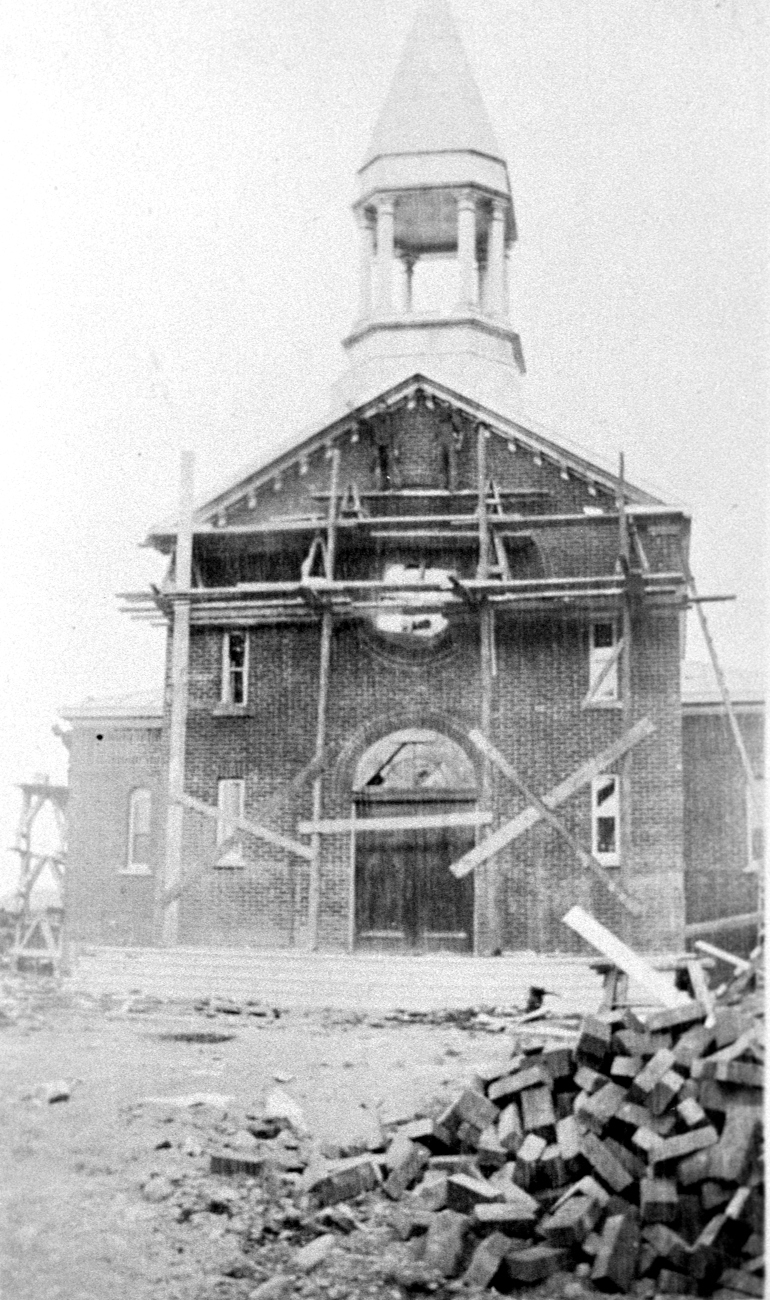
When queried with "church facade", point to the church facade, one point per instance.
{"points": [[423, 671]]}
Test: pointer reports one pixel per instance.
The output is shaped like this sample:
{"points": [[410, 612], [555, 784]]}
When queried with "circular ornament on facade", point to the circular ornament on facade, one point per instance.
{"points": [[404, 648], [410, 627]]}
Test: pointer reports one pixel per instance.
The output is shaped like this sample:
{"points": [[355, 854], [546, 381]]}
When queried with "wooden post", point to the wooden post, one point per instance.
{"points": [[352, 891], [625, 828], [723, 688], [748, 771], [486, 879], [180, 655], [314, 893], [481, 458]]}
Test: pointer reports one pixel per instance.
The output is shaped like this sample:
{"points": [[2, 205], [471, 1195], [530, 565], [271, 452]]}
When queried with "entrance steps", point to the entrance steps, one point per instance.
{"points": [[314, 981]]}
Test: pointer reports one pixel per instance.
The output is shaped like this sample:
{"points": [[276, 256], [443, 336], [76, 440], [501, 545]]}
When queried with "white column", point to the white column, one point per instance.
{"points": [[466, 248], [495, 298], [366, 262], [386, 208]]}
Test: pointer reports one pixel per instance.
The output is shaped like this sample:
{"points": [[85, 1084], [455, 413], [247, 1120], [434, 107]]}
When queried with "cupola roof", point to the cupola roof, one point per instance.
{"points": [[434, 104], [434, 131]]}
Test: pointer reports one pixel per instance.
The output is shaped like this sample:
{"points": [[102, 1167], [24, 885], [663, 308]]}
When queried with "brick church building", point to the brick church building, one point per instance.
{"points": [[423, 671]]}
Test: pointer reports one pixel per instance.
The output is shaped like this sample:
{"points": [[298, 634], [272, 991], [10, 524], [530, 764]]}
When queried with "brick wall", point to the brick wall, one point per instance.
{"points": [[104, 904], [716, 848], [376, 688]]}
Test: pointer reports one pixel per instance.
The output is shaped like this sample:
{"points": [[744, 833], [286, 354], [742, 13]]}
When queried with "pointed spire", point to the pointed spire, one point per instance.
{"points": [[434, 185], [434, 104]]}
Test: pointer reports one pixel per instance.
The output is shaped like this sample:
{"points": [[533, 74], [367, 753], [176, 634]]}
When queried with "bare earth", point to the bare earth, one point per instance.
{"points": [[108, 1194]]}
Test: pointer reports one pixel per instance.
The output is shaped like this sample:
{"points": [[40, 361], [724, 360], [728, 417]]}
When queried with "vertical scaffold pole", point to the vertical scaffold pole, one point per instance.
{"points": [[314, 891], [180, 655], [626, 631], [485, 935]]}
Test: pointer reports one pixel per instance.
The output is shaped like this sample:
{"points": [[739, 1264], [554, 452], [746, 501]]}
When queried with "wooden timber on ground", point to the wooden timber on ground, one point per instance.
{"points": [[719, 953], [721, 925], [639, 970]]}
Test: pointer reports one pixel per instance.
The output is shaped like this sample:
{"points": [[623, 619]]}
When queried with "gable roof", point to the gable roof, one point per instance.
{"points": [[700, 689], [140, 706], [525, 435], [434, 104]]}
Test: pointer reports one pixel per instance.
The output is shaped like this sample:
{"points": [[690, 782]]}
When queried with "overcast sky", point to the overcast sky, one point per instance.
{"points": [[179, 266]]}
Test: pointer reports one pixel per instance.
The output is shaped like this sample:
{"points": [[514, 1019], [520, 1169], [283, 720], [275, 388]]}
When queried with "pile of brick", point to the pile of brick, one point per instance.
{"points": [[632, 1158]]}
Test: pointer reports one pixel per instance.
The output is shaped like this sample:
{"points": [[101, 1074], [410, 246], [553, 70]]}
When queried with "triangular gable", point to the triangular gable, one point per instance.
{"points": [[511, 431]]}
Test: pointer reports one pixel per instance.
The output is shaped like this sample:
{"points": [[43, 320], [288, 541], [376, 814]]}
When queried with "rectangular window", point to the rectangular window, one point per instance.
{"points": [[230, 803], [235, 667], [139, 807], [755, 826], [603, 674], [605, 819]]}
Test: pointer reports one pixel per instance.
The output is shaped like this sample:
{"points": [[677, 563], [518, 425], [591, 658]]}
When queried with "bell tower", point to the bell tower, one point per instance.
{"points": [[436, 223]]}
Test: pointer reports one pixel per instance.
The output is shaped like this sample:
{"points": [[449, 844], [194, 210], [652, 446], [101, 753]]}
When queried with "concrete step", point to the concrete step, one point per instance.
{"points": [[366, 982]]}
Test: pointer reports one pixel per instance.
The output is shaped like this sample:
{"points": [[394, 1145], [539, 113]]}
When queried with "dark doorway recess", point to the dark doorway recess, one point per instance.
{"points": [[406, 898]]}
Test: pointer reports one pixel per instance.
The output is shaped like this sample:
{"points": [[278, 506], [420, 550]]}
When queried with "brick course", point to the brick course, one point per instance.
{"points": [[103, 904], [716, 848], [377, 687]]}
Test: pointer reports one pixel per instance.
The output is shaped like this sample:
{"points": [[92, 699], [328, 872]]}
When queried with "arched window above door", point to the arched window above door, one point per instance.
{"points": [[415, 759]]}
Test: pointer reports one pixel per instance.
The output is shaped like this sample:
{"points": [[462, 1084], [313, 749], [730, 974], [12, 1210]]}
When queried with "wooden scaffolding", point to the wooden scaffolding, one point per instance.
{"points": [[482, 519], [38, 930]]}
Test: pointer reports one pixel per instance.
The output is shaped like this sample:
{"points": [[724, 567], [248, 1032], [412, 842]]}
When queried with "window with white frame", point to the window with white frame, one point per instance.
{"points": [[139, 809], [605, 819], [755, 825], [230, 804], [235, 667], [603, 661]]}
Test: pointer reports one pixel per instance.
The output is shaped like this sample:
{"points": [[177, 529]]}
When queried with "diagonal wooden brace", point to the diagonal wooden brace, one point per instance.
{"points": [[176, 890], [609, 664], [243, 824], [581, 777], [306, 774], [586, 859]]}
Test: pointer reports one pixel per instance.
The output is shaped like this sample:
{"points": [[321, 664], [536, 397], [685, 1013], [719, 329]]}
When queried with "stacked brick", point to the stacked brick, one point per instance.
{"points": [[634, 1154]]}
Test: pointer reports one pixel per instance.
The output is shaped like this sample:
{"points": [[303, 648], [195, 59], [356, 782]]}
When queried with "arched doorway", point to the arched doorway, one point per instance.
{"points": [[406, 898]]}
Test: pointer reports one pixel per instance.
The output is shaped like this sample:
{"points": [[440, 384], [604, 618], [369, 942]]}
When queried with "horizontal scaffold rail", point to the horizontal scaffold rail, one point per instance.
{"points": [[381, 587], [400, 494], [418, 822], [515, 521], [248, 610]]}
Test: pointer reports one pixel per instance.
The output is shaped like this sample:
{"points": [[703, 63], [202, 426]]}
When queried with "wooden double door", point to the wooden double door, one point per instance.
{"points": [[406, 898]]}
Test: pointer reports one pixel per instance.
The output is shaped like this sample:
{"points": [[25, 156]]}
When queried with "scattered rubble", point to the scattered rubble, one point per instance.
{"points": [[618, 1153], [200, 1036], [58, 1091], [623, 1157], [229, 1007]]}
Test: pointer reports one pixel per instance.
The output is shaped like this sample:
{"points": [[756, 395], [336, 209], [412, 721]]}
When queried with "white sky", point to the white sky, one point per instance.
{"points": [[179, 267]]}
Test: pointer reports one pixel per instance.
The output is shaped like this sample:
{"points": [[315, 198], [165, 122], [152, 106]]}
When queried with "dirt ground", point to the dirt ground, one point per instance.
{"points": [[108, 1194]]}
